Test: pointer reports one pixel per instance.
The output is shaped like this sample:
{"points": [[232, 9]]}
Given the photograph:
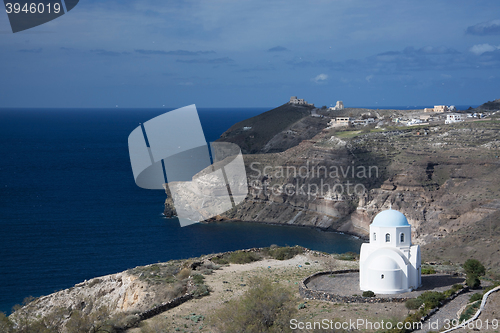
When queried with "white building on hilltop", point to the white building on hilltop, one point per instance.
{"points": [[338, 106], [390, 264], [298, 101], [453, 118]]}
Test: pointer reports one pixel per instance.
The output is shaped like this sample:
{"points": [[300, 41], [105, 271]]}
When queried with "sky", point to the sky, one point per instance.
{"points": [[255, 53]]}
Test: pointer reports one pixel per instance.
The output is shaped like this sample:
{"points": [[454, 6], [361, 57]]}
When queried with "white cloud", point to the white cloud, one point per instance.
{"points": [[369, 78], [321, 78], [482, 48]]}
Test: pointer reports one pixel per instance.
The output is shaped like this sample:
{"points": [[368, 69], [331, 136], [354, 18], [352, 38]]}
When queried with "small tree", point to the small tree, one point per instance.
{"points": [[474, 270], [474, 267]]}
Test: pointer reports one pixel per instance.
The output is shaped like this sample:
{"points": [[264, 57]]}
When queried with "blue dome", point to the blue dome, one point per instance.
{"points": [[390, 218]]}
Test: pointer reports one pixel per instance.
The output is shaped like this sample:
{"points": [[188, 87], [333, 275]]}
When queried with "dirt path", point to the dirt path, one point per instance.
{"points": [[444, 317]]}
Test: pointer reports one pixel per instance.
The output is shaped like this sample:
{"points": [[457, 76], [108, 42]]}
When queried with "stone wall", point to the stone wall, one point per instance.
{"points": [[331, 297], [165, 306]]}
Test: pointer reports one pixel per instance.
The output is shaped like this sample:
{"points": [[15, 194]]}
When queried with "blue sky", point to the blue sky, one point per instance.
{"points": [[239, 53]]}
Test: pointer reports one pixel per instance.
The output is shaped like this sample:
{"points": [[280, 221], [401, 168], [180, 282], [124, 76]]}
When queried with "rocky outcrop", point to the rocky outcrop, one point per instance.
{"points": [[120, 292]]}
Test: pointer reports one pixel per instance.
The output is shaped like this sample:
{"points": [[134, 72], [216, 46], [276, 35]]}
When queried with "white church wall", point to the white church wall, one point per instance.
{"points": [[389, 264]]}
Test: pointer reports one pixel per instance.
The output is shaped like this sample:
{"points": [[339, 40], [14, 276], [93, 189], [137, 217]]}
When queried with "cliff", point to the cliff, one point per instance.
{"points": [[444, 178]]}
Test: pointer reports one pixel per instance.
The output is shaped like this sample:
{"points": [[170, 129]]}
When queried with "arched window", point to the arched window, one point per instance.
{"points": [[402, 238], [387, 238], [374, 236], [382, 276]]}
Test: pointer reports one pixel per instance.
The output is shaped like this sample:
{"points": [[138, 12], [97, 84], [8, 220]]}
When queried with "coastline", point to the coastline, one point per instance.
{"points": [[348, 233]]}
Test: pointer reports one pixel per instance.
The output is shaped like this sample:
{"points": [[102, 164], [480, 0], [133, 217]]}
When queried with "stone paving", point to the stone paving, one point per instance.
{"points": [[347, 284]]}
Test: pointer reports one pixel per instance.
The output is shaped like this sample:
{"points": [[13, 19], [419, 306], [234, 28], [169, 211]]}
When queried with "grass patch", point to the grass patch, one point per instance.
{"points": [[348, 256], [347, 134]]}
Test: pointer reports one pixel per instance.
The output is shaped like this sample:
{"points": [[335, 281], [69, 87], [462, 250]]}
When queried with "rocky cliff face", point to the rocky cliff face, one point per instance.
{"points": [[443, 178], [118, 293]]}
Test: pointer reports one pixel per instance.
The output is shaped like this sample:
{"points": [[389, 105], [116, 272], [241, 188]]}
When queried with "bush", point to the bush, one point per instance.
{"points": [[242, 257], [184, 273], [428, 270], [474, 270], [475, 297], [201, 290], [368, 293], [473, 281], [220, 261], [431, 299], [474, 267], [456, 287], [349, 256], [207, 268], [413, 304], [285, 253], [470, 311], [198, 278], [264, 307]]}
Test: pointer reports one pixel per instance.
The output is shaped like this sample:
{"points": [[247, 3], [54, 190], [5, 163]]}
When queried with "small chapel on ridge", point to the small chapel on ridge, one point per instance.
{"points": [[389, 263]]}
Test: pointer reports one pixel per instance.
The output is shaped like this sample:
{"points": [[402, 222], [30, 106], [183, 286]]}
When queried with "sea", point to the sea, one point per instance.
{"points": [[70, 209]]}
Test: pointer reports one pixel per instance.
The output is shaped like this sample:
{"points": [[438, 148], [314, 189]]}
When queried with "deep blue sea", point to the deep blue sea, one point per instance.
{"points": [[70, 209]]}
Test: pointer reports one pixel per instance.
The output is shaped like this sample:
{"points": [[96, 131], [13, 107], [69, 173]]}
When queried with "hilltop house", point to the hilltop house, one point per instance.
{"points": [[440, 108], [453, 118], [338, 106], [299, 101]]}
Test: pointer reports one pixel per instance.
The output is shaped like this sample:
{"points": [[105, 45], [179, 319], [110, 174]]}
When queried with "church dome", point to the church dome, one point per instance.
{"points": [[390, 218]]}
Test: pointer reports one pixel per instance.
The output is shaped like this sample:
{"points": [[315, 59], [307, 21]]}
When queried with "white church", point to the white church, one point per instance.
{"points": [[390, 264]]}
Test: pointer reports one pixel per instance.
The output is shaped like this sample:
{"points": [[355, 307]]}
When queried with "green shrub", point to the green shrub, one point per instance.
{"points": [[349, 256], [473, 281], [453, 289], [242, 257], [220, 261], [428, 270], [470, 311], [474, 270], [474, 267], [198, 278], [413, 304], [368, 293], [264, 307], [201, 290], [414, 317], [475, 297], [431, 299], [285, 253]]}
